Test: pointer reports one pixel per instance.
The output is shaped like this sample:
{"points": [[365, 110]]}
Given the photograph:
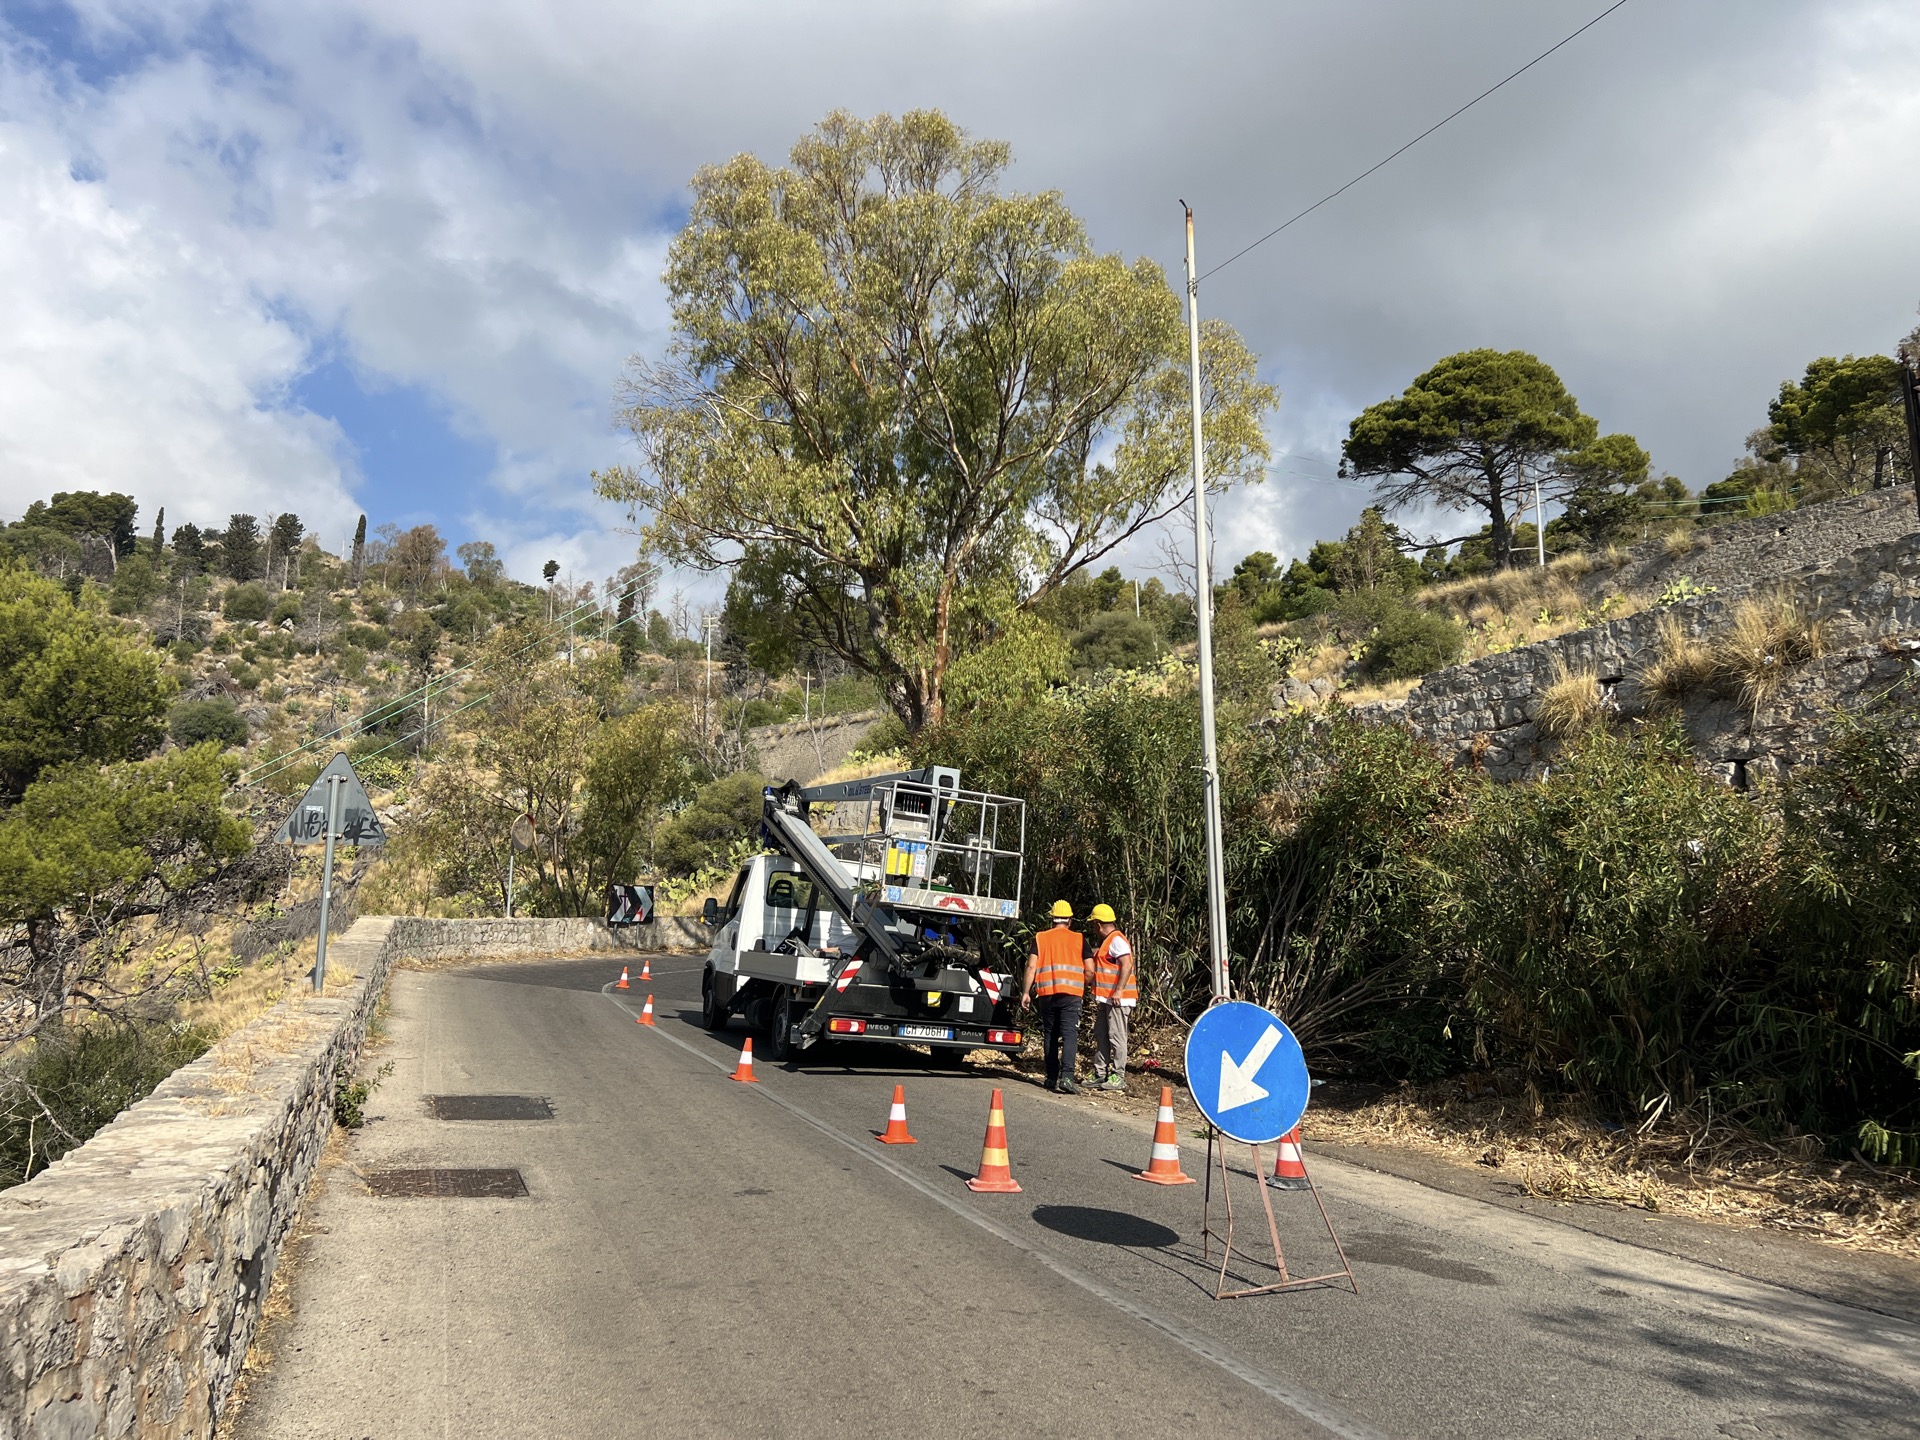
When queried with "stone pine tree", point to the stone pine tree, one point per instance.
{"points": [[285, 539], [1476, 432], [550, 572], [359, 564]]}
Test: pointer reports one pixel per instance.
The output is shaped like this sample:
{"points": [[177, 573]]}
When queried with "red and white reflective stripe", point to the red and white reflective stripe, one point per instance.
{"points": [[848, 973], [991, 982]]}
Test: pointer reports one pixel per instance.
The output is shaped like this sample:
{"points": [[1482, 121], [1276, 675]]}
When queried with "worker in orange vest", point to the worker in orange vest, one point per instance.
{"points": [[1114, 996], [1058, 969]]}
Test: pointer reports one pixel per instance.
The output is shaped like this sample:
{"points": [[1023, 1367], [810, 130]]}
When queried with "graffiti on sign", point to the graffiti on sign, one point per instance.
{"points": [[358, 825]]}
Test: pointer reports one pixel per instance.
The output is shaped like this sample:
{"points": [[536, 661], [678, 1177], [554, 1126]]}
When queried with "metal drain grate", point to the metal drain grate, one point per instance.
{"points": [[446, 1184], [489, 1107]]}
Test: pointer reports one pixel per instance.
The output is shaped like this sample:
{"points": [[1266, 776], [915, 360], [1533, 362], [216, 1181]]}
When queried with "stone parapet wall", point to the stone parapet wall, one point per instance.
{"points": [[424, 938], [133, 1270]]}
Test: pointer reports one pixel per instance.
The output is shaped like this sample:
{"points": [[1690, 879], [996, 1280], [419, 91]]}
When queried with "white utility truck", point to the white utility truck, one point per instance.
{"points": [[879, 915]]}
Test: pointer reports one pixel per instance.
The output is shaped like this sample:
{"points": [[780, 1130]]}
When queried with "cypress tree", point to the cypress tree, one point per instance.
{"points": [[159, 533], [359, 552]]}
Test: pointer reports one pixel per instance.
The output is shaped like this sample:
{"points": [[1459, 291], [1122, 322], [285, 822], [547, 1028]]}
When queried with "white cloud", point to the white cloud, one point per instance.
{"points": [[1677, 211]]}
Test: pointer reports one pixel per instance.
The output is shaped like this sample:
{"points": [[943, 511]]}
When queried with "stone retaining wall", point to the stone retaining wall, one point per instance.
{"points": [[132, 1271], [1868, 605]]}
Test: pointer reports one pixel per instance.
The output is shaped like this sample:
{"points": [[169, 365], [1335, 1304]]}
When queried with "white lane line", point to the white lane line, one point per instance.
{"points": [[1302, 1402]]}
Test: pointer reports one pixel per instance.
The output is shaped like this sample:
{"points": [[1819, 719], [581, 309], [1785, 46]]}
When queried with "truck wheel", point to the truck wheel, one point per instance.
{"points": [[713, 1010], [780, 1027]]}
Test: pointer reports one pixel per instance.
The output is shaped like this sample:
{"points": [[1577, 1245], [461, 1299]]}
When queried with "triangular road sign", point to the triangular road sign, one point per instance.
{"points": [[307, 825]]}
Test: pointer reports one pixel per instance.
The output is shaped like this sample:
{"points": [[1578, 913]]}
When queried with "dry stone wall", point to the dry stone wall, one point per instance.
{"points": [[1867, 604], [805, 750], [132, 1271]]}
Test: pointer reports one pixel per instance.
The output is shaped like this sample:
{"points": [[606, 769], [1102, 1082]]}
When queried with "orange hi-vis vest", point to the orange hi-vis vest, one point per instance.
{"points": [[1063, 961], [1106, 973]]}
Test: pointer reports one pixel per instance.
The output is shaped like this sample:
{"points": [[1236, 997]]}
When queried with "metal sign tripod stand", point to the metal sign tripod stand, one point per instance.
{"points": [[1208, 1234]]}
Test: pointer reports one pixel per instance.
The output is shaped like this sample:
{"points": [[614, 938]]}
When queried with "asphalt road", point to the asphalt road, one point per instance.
{"points": [[703, 1257]]}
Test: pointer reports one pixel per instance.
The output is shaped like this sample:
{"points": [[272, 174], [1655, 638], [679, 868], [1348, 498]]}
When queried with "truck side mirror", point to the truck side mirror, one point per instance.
{"points": [[710, 912]]}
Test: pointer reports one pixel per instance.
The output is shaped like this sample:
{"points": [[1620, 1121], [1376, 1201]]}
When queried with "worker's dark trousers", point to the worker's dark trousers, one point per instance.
{"points": [[1060, 1029]]}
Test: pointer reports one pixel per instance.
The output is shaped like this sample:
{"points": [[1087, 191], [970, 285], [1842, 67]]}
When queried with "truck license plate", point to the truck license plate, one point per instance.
{"points": [[926, 1032]]}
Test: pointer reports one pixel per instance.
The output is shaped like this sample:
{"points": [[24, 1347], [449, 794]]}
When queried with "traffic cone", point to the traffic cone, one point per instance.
{"points": [[1289, 1172], [621, 983], [646, 968], [744, 1070], [896, 1131], [996, 1175], [645, 1017], [1163, 1168]]}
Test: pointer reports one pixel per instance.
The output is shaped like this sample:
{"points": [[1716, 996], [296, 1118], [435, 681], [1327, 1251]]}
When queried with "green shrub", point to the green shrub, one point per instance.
{"points": [[367, 637], [721, 812], [193, 721], [1409, 642], [287, 607], [1116, 640], [82, 1075], [247, 603]]}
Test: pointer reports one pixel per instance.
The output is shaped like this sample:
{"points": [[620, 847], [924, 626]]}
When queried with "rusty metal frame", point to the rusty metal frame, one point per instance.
{"points": [[1286, 1281]]}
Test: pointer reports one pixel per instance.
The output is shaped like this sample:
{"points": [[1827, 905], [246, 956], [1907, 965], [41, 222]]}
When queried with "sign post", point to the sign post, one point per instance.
{"points": [[519, 838], [334, 808], [1249, 1079]]}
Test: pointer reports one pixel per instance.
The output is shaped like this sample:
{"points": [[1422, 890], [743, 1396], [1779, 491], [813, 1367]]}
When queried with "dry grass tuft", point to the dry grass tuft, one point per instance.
{"points": [[1572, 703], [1679, 542], [1770, 637], [1572, 565], [1680, 666], [1682, 1167]]}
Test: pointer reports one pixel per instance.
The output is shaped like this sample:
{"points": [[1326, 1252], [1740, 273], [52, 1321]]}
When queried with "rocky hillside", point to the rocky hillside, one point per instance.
{"points": [[1763, 635]]}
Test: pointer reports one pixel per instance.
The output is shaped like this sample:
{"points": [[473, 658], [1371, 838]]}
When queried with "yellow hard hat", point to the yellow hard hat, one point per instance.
{"points": [[1104, 914], [1062, 910]]}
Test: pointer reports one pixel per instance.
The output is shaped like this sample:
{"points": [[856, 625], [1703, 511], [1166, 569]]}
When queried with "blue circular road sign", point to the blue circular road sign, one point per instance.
{"points": [[1246, 1072]]}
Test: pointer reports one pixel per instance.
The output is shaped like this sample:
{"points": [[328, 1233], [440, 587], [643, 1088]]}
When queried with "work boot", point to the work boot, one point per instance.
{"points": [[1114, 1082], [1067, 1087]]}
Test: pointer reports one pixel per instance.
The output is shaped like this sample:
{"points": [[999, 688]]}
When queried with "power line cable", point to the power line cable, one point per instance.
{"points": [[1335, 195]]}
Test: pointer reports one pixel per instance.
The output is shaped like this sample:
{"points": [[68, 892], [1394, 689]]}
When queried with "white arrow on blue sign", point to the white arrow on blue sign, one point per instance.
{"points": [[1246, 1072]]}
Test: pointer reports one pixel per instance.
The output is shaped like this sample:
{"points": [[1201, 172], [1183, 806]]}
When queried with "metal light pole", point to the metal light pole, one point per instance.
{"points": [[1539, 521], [335, 784], [1203, 614]]}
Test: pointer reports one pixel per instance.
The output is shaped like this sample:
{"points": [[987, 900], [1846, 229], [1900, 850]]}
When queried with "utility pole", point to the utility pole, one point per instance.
{"points": [[707, 622], [1539, 521], [1910, 394], [1203, 615]]}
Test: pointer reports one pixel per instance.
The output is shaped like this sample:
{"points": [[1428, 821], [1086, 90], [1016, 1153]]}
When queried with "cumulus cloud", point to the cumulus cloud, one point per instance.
{"points": [[1677, 211]]}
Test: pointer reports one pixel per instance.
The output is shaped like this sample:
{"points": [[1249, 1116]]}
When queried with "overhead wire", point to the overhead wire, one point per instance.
{"points": [[1382, 164]]}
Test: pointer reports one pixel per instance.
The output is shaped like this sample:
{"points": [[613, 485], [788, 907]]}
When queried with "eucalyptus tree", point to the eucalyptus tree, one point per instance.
{"points": [[906, 404]]}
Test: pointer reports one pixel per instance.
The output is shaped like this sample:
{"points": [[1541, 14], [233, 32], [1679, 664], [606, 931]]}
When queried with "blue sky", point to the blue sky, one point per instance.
{"points": [[348, 257]]}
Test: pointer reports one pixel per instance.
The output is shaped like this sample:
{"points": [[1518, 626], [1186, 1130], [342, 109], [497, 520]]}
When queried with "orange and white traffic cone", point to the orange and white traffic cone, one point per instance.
{"points": [[1163, 1167], [645, 1017], [896, 1131], [996, 1174], [744, 1070], [621, 983], [1289, 1172], [646, 968]]}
